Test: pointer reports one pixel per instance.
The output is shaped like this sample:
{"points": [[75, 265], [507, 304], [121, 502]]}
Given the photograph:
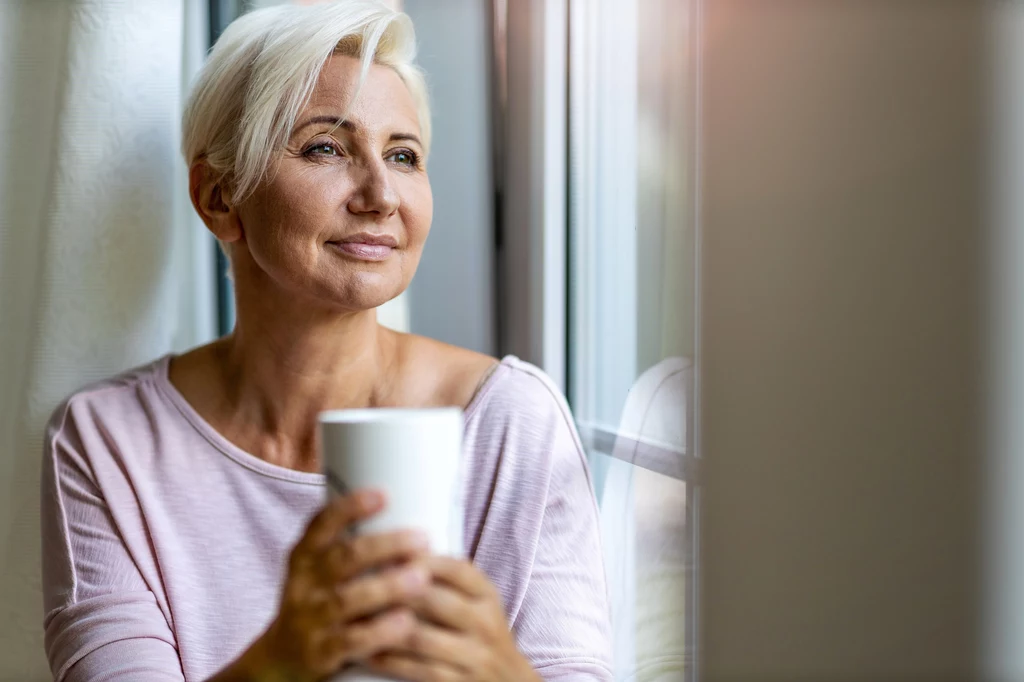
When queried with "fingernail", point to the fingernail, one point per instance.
{"points": [[371, 498], [415, 578], [418, 539], [402, 620]]}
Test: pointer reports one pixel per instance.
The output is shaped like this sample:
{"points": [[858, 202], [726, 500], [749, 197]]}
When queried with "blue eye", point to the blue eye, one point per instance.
{"points": [[404, 157], [322, 149]]}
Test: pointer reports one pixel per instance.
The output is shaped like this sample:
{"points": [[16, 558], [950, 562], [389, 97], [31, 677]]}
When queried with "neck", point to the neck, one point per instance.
{"points": [[334, 365], [282, 366]]}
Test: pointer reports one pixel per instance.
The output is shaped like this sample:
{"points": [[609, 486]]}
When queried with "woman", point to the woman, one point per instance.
{"points": [[183, 532]]}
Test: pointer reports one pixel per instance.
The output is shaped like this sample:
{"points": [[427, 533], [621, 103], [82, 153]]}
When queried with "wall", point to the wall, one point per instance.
{"points": [[844, 217]]}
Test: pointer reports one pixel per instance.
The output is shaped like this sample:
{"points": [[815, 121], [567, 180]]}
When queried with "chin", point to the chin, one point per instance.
{"points": [[367, 292]]}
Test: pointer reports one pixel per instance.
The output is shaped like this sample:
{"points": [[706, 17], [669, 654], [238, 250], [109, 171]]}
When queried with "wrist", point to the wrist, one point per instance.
{"points": [[262, 662], [522, 671]]}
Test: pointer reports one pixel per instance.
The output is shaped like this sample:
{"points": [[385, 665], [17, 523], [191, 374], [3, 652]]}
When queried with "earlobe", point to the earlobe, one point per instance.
{"points": [[213, 203]]}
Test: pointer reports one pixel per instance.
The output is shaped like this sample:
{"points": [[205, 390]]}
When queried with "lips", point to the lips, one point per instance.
{"points": [[371, 239], [366, 246]]}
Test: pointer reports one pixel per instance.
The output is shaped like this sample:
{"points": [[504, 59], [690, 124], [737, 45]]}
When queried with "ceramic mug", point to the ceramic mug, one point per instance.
{"points": [[415, 457]]}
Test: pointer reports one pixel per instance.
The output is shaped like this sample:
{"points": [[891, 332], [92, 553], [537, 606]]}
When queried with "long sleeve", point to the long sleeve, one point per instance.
{"points": [[102, 621]]}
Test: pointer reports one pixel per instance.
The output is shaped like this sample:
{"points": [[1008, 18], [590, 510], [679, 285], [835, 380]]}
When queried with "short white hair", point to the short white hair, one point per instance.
{"points": [[263, 69]]}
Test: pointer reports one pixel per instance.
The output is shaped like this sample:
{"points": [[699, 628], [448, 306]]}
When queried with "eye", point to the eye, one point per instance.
{"points": [[404, 157], [322, 149]]}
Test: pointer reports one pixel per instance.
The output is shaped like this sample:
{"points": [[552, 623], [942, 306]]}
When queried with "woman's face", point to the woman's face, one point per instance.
{"points": [[346, 209]]}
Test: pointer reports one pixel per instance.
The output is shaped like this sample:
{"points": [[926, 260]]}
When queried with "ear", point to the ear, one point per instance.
{"points": [[213, 203]]}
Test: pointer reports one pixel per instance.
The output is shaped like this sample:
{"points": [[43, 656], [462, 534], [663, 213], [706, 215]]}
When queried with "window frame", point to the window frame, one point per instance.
{"points": [[533, 236]]}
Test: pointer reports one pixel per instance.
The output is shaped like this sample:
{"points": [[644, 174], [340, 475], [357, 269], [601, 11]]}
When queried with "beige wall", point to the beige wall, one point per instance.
{"points": [[843, 223]]}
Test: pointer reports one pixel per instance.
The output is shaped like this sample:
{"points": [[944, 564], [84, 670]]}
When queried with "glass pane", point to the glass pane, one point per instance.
{"points": [[663, 561], [632, 236], [632, 301]]}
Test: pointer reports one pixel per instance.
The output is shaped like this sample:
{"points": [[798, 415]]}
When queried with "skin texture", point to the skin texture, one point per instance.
{"points": [[307, 340]]}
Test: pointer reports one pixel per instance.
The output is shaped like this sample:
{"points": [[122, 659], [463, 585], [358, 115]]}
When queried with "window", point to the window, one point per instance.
{"points": [[631, 336]]}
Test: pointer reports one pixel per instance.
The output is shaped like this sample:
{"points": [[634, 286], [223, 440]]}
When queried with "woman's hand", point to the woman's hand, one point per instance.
{"points": [[345, 599], [461, 634]]}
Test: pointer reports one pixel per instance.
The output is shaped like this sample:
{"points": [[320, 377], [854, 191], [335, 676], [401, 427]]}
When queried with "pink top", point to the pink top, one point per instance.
{"points": [[164, 545]]}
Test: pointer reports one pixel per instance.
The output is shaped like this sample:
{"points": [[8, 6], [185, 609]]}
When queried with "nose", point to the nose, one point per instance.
{"points": [[375, 194]]}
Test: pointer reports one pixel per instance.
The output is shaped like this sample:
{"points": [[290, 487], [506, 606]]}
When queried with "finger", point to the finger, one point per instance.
{"points": [[354, 557], [356, 642], [461, 575], [335, 517], [446, 606], [433, 643], [374, 593], [413, 669]]}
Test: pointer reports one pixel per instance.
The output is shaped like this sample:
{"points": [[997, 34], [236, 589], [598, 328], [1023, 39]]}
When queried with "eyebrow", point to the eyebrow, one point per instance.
{"points": [[351, 127]]}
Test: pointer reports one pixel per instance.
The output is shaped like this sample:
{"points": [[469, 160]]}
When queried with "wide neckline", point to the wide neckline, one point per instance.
{"points": [[258, 465]]}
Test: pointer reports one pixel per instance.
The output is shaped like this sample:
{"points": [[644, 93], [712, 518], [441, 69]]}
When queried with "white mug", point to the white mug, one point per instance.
{"points": [[415, 457]]}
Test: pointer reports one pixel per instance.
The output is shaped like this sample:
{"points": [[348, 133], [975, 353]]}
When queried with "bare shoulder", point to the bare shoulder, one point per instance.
{"points": [[192, 373], [442, 374]]}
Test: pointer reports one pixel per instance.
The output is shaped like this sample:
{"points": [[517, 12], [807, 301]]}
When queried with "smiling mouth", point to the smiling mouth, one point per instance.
{"points": [[366, 247]]}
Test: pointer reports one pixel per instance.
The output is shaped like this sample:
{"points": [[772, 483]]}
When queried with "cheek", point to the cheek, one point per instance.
{"points": [[291, 216], [418, 214]]}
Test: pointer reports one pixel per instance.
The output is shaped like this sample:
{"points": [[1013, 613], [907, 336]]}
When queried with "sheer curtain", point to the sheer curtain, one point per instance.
{"points": [[100, 262]]}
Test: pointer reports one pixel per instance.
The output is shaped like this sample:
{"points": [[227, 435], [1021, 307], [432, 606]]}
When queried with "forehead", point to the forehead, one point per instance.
{"points": [[384, 101]]}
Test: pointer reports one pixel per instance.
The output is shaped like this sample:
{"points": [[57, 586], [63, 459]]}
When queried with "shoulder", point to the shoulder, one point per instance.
{"points": [[439, 373], [102, 403], [521, 408], [518, 390], [527, 472]]}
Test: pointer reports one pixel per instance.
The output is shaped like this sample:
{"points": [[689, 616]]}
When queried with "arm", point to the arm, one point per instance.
{"points": [[102, 621], [538, 569], [563, 622]]}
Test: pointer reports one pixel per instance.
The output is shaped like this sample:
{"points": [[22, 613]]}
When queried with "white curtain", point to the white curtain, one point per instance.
{"points": [[101, 267]]}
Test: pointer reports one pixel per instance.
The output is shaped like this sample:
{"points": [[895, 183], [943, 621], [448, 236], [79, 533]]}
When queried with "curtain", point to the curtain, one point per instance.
{"points": [[98, 254]]}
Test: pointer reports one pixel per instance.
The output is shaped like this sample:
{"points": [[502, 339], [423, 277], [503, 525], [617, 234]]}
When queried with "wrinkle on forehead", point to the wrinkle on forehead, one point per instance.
{"points": [[382, 105]]}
